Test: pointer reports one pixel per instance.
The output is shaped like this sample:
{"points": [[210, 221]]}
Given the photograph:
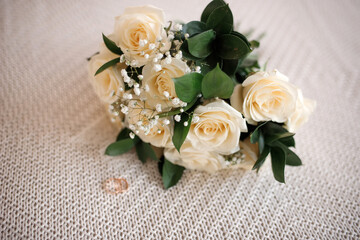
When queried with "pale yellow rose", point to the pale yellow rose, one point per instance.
{"points": [[155, 132], [304, 107], [106, 84], [161, 81], [195, 159], [218, 128], [265, 96], [143, 23]]}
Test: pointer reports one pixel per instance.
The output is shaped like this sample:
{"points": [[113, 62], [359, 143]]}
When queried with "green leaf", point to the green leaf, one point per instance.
{"points": [[292, 159], [272, 128], [106, 65], [254, 137], [278, 160], [194, 27], [171, 173], [216, 83], [276, 136], [181, 131], [229, 46], [185, 52], [200, 45], [145, 151], [120, 147], [112, 46], [229, 66], [188, 86], [124, 134], [208, 63], [241, 36], [261, 142], [261, 158], [254, 44], [210, 8], [288, 141], [221, 20]]}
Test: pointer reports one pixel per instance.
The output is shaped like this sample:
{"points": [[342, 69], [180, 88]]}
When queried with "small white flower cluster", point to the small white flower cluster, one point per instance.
{"points": [[235, 158]]}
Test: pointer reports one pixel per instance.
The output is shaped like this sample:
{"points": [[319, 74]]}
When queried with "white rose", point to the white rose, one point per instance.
{"points": [[265, 96], [137, 28], [152, 131], [106, 84], [161, 81], [304, 107], [218, 128], [195, 159]]}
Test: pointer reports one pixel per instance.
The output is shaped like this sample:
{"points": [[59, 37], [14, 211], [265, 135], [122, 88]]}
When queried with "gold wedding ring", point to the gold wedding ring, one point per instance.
{"points": [[116, 185]]}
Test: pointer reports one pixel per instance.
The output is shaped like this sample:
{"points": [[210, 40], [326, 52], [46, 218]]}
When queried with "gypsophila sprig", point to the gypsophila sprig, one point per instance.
{"points": [[194, 96]]}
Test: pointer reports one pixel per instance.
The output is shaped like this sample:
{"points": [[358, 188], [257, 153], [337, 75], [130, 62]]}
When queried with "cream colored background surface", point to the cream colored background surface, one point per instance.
{"points": [[54, 132]]}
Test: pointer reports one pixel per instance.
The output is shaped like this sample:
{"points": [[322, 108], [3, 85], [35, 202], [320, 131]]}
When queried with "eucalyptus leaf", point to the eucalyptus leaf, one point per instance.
{"points": [[171, 173], [200, 45], [188, 86], [112, 46], [181, 131], [145, 151], [229, 46], [107, 65], [278, 160], [194, 27], [210, 8], [120, 147], [221, 20], [216, 83]]}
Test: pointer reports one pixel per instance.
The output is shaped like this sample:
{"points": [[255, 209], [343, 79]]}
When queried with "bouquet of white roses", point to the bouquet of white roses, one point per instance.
{"points": [[193, 95]]}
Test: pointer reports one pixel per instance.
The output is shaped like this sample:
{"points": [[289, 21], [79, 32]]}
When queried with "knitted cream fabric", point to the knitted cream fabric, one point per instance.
{"points": [[54, 132]]}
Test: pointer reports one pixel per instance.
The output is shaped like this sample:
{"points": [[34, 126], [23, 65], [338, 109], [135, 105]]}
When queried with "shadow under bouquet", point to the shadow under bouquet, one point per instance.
{"points": [[194, 95]]}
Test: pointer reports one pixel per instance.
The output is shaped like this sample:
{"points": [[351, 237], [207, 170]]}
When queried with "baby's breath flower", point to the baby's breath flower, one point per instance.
{"points": [[123, 72], [122, 59], [175, 101], [152, 46], [132, 135], [166, 94], [157, 67], [177, 27], [158, 107], [127, 96], [137, 91], [177, 118], [196, 119]]}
